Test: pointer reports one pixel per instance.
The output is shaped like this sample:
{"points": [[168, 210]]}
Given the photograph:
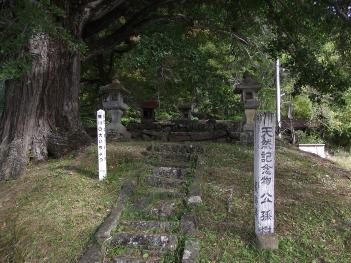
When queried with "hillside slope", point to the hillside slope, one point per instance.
{"points": [[50, 214], [313, 208]]}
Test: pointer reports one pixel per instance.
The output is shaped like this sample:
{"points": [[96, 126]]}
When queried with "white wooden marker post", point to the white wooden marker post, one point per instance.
{"points": [[278, 97], [101, 137], [264, 155]]}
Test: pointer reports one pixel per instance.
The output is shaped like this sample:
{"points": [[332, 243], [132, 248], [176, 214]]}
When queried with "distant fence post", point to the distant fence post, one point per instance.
{"points": [[101, 137], [264, 159]]}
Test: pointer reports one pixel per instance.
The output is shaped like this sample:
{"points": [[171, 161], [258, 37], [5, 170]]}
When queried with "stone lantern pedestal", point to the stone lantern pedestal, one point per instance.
{"points": [[113, 102], [186, 110], [248, 88]]}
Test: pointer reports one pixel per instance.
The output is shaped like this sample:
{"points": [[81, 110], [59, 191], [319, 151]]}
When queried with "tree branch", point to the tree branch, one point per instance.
{"points": [[94, 27], [136, 22], [105, 8]]}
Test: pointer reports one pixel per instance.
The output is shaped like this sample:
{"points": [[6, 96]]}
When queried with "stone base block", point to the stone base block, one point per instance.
{"points": [[191, 251], [267, 242], [246, 137]]}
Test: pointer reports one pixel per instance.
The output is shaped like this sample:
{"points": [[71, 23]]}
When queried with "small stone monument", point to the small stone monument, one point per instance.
{"points": [[113, 101], [248, 89], [264, 157], [186, 110], [101, 137], [148, 107]]}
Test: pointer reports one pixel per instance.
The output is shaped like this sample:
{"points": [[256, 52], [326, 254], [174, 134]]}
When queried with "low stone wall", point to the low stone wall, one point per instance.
{"points": [[187, 130]]}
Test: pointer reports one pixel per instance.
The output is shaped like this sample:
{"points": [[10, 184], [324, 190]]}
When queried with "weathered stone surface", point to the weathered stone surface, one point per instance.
{"points": [[111, 221], [145, 240], [194, 196], [176, 148], [127, 259], [153, 200], [188, 225], [197, 136], [191, 251], [185, 130], [194, 200], [234, 135], [173, 172], [267, 242], [92, 255], [246, 137], [264, 159], [114, 102], [164, 209], [162, 226], [162, 181]]}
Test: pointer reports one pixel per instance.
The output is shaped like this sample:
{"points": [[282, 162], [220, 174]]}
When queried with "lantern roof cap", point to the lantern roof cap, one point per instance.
{"points": [[247, 83], [115, 85]]}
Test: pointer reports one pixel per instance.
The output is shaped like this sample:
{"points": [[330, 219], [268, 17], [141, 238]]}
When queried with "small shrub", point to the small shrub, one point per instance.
{"points": [[307, 138]]}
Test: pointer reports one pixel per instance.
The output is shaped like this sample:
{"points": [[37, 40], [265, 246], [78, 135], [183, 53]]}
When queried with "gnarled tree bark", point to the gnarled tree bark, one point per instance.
{"points": [[41, 114]]}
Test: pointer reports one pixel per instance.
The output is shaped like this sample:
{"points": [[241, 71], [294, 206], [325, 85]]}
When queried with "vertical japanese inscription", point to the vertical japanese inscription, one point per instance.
{"points": [[101, 139], [264, 156]]}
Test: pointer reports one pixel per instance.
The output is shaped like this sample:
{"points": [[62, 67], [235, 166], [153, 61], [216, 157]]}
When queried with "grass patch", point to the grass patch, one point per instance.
{"points": [[313, 208], [51, 213], [342, 158]]}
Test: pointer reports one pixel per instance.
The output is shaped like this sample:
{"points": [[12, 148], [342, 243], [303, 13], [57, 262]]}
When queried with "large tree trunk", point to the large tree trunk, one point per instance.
{"points": [[41, 114]]}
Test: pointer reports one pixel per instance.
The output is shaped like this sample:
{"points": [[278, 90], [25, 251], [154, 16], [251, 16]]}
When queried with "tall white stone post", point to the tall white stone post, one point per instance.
{"points": [[101, 137], [264, 156]]}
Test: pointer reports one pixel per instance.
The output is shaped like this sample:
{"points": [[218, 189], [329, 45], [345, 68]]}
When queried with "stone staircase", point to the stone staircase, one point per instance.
{"points": [[149, 229]]}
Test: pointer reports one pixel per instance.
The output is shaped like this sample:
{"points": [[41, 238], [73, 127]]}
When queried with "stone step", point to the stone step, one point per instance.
{"points": [[163, 209], [163, 181], [144, 240], [132, 254], [153, 194], [176, 148], [149, 226], [169, 163], [173, 172], [169, 159], [126, 259]]}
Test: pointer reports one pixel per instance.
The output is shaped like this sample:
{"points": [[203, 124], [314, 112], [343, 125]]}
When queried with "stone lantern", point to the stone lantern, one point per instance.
{"points": [[248, 88], [148, 107], [187, 110], [113, 102]]}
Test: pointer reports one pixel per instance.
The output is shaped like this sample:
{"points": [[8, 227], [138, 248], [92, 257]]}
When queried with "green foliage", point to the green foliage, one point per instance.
{"points": [[199, 64], [267, 99], [302, 107], [307, 138], [19, 23]]}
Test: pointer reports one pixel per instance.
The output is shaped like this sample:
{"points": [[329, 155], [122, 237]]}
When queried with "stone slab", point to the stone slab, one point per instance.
{"points": [[123, 259], [194, 200], [267, 242], [162, 181], [188, 225], [163, 226], [111, 221], [191, 251], [162, 241], [175, 172]]}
